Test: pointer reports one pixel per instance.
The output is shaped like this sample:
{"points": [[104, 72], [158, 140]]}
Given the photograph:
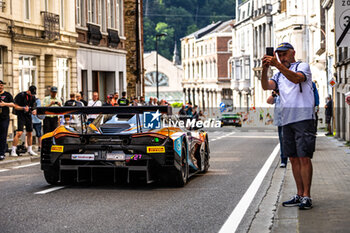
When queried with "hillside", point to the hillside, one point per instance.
{"points": [[179, 18]]}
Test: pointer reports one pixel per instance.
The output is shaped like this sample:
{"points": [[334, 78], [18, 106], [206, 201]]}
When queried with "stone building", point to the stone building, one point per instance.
{"points": [[38, 46], [169, 77], [241, 60], [134, 45], [101, 55], [205, 55]]}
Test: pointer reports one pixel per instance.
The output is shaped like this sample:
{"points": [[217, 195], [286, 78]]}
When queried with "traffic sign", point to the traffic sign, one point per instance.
{"points": [[342, 23], [332, 82]]}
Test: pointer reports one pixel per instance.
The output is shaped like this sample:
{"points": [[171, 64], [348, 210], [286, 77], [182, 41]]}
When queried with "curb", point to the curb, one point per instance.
{"points": [[18, 162]]}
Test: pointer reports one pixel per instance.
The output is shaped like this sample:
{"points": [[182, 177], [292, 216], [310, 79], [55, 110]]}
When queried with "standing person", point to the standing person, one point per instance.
{"points": [[189, 110], [329, 115], [317, 103], [150, 102], [277, 121], [6, 101], [135, 102], [142, 101], [95, 102], [79, 99], [155, 101], [114, 101], [51, 121], [37, 124], [182, 113], [24, 102], [108, 101], [82, 99], [123, 101], [72, 101], [294, 82]]}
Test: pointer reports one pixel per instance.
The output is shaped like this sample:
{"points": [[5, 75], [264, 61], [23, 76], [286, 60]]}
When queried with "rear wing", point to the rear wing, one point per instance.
{"points": [[73, 110]]}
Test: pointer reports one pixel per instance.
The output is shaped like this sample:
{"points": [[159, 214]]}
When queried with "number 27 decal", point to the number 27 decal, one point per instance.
{"points": [[136, 156]]}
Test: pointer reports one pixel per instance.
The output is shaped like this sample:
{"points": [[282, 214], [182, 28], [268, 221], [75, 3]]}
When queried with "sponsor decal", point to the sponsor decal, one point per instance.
{"points": [[178, 146], [151, 120], [55, 148], [88, 157], [191, 123], [155, 149], [117, 155]]}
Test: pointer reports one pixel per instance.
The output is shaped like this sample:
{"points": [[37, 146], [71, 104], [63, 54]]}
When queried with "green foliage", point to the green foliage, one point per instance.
{"points": [[176, 105], [179, 18]]}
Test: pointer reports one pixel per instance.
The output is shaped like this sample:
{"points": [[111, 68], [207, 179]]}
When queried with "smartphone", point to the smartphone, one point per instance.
{"points": [[269, 51]]}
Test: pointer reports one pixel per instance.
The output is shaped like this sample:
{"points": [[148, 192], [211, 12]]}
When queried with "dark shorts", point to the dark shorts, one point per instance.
{"points": [[299, 139], [328, 119], [37, 128], [24, 120]]}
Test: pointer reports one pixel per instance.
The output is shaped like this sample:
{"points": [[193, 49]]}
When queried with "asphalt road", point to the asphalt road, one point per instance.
{"points": [[203, 205]]}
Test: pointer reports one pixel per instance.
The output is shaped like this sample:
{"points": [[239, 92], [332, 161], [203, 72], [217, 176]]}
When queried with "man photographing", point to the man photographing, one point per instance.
{"points": [[294, 82]]}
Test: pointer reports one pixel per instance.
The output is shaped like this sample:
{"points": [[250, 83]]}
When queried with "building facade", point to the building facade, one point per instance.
{"points": [[241, 60], [339, 57], [169, 78], [101, 56], [38, 46], [205, 53]]}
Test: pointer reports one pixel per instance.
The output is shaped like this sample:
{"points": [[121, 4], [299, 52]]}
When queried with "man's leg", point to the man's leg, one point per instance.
{"points": [[29, 138], [306, 174], [296, 168]]}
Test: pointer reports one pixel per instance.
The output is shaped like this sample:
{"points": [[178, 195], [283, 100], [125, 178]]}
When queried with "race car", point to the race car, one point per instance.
{"points": [[119, 147], [231, 119]]}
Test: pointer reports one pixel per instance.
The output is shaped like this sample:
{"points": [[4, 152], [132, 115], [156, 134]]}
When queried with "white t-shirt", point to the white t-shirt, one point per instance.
{"points": [[92, 103], [296, 106]]}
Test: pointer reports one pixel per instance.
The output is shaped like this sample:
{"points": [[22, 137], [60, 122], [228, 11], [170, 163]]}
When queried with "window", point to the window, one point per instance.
{"points": [[111, 15], [47, 5], [27, 72], [26, 9], [151, 80], [62, 14], [247, 68], [1, 65], [120, 20], [102, 14], [78, 12], [91, 11], [283, 5], [63, 83], [238, 69]]}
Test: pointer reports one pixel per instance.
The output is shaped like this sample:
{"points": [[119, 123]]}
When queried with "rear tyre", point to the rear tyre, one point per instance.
{"points": [[181, 176], [52, 175], [204, 155]]}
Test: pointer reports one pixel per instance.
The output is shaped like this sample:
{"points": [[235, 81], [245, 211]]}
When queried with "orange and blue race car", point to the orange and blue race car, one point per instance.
{"points": [[121, 145]]}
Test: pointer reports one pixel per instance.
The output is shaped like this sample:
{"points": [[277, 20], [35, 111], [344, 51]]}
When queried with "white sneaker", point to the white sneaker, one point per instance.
{"points": [[32, 153], [13, 153]]}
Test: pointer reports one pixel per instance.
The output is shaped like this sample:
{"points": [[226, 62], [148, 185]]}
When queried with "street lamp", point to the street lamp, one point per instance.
{"points": [[157, 78]]}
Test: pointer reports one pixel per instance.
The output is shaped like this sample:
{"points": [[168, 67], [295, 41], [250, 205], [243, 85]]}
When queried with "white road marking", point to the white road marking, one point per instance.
{"points": [[27, 165], [253, 136], [50, 190], [238, 213], [4, 170]]}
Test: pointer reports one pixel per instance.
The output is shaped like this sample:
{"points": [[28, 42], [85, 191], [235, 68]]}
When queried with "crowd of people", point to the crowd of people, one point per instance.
{"points": [[25, 103]]}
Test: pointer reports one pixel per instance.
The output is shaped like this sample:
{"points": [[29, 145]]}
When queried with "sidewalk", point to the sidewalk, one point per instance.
{"points": [[9, 161], [330, 193]]}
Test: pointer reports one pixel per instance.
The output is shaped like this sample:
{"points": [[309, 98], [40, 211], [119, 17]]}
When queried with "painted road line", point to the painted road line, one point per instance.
{"points": [[50, 190], [4, 170], [253, 137], [238, 213], [27, 165]]}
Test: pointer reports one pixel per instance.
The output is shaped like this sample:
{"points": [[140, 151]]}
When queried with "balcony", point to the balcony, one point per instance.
{"points": [[235, 85], [113, 38], [244, 85], [94, 34], [51, 26]]}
